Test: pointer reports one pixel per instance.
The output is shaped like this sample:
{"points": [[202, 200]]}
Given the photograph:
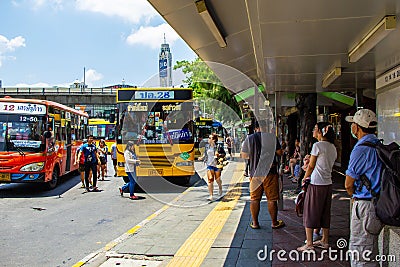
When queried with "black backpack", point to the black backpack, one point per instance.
{"points": [[387, 202]]}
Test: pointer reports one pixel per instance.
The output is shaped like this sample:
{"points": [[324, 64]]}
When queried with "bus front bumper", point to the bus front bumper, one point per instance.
{"points": [[22, 177]]}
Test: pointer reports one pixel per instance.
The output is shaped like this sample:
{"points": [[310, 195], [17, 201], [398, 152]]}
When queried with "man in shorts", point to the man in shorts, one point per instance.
{"points": [[264, 176], [365, 226], [81, 162], [92, 160]]}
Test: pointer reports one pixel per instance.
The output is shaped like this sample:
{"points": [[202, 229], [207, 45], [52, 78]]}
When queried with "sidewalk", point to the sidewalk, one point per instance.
{"points": [[245, 243], [222, 236], [293, 235]]}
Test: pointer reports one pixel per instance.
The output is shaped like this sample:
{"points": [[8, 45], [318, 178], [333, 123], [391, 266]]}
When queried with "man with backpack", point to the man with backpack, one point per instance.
{"points": [[91, 161], [365, 226], [80, 159]]}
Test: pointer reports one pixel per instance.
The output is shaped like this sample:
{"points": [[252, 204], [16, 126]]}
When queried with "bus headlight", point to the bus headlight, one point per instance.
{"points": [[33, 167], [184, 163]]}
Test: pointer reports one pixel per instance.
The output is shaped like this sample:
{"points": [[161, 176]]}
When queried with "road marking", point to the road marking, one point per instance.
{"points": [[134, 229], [196, 247]]}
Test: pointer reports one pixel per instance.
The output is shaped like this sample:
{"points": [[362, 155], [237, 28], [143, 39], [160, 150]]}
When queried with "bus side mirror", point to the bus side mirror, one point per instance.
{"points": [[112, 118]]}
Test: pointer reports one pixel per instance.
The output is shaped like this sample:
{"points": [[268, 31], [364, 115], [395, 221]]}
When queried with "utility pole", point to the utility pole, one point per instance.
{"points": [[84, 78]]}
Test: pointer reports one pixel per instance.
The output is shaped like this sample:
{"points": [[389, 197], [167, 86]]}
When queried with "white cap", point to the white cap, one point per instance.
{"points": [[365, 118]]}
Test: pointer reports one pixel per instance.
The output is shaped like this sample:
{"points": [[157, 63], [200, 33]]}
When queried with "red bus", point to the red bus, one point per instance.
{"points": [[38, 140]]}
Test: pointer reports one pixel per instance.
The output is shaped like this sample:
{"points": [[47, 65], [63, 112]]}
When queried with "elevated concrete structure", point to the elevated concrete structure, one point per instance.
{"points": [[66, 96]]}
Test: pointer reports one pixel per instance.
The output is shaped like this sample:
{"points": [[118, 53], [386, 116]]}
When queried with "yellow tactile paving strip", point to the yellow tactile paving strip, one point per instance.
{"points": [[197, 246], [130, 232]]}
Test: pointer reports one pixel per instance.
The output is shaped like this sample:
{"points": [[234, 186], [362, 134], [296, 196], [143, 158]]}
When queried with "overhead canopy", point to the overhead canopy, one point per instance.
{"points": [[247, 93], [286, 45]]}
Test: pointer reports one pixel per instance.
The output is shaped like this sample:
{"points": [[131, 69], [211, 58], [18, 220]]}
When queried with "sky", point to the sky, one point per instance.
{"points": [[46, 43]]}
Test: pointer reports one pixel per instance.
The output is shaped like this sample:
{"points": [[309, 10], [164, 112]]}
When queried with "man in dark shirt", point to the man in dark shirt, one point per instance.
{"points": [[261, 149], [91, 161]]}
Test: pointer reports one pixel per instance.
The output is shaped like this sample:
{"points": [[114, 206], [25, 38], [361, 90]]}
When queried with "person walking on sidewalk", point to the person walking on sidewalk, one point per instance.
{"points": [[114, 158], [131, 162], [229, 142], [210, 157], [91, 162], [263, 172], [294, 161], [364, 224], [103, 152], [318, 199]]}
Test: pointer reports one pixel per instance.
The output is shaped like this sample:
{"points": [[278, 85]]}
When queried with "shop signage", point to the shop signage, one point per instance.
{"points": [[388, 78]]}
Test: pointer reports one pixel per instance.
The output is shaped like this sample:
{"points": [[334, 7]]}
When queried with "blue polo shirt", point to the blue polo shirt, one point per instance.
{"points": [[364, 160], [90, 150]]}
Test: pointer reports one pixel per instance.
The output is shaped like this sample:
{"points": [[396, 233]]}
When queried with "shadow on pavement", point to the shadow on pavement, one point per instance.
{"points": [[34, 190]]}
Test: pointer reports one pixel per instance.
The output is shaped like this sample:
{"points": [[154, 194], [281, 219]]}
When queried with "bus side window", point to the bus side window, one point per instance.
{"points": [[57, 134]]}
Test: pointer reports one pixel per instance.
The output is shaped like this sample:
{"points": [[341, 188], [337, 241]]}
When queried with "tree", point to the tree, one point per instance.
{"points": [[306, 104], [206, 85]]}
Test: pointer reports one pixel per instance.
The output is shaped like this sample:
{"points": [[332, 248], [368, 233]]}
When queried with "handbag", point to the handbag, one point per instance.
{"points": [[299, 201]]}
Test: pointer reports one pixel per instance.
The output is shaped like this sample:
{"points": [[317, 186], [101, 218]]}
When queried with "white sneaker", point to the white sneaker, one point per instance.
{"points": [[210, 198]]}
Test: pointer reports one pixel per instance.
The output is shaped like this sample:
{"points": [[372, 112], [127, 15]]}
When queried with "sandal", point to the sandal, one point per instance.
{"points": [[254, 226], [279, 225], [320, 244], [305, 248]]}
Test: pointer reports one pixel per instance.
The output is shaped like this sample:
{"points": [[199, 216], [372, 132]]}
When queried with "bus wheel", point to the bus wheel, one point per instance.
{"points": [[54, 180]]}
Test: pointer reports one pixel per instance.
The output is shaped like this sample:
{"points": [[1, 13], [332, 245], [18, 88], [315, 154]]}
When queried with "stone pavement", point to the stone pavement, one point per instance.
{"points": [[293, 235], [247, 246], [161, 239]]}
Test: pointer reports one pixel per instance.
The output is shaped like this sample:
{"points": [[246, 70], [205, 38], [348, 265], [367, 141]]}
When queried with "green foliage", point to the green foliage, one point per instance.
{"points": [[205, 85]]}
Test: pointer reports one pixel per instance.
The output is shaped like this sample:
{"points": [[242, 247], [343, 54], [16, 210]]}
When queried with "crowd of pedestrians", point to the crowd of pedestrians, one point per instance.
{"points": [[315, 174], [92, 162]]}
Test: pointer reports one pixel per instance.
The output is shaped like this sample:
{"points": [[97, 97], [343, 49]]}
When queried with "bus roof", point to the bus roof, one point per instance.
{"points": [[43, 102]]}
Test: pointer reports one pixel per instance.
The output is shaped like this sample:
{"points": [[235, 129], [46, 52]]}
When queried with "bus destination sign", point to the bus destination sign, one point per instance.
{"points": [[145, 94], [154, 95], [22, 108]]}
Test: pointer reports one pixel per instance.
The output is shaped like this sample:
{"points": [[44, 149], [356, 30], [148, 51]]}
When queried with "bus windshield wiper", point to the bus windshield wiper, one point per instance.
{"points": [[12, 145], [22, 153]]}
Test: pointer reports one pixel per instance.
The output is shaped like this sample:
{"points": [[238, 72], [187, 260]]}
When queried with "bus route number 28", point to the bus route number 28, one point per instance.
{"points": [[154, 95]]}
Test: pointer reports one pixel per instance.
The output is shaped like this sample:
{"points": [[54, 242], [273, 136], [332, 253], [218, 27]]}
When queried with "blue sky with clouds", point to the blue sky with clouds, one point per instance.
{"points": [[49, 42]]}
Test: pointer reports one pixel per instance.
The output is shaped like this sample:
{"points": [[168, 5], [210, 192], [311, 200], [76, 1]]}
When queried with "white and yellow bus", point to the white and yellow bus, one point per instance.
{"points": [[102, 129], [160, 123]]}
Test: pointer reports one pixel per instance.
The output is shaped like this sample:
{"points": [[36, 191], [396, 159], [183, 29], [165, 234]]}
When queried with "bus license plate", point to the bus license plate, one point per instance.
{"points": [[5, 177], [156, 172]]}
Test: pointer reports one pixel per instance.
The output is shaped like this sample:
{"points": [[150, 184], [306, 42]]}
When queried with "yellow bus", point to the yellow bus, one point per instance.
{"points": [[160, 123], [102, 129]]}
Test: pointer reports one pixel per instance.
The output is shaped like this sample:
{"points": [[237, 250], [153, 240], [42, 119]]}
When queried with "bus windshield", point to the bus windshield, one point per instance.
{"points": [[102, 131], [22, 133], [205, 127], [160, 123]]}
